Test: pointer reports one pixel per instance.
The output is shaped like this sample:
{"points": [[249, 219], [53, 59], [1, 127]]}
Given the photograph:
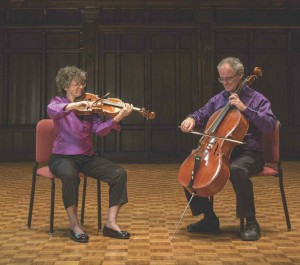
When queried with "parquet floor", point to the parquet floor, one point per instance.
{"points": [[156, 201]]}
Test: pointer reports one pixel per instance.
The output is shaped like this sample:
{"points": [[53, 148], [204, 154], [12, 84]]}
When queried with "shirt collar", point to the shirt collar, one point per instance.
{"points": [[225, 94]]}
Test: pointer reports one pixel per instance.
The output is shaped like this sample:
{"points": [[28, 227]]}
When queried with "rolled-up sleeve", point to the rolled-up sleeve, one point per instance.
{"points": [[56, 107], [260, 114], [103, 128]]}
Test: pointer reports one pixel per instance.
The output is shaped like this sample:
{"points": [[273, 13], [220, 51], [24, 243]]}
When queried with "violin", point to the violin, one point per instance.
{"points": [[109, 107], [206, 170]]}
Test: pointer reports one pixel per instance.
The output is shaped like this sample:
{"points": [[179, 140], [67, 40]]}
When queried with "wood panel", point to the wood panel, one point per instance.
{"points": [[275, 52], [132, 80], [293, 87], [163, 86], [1, 79], [24, 88], [161, 56], [153, 76], [272, 82], [29, 62], [271, 54], [293, 81]]}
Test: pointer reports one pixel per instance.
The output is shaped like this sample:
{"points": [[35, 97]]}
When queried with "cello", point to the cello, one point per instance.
{"points": [[206, 170]]}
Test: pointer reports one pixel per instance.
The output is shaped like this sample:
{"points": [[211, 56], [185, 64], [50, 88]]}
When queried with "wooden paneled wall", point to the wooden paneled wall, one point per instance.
{"points": [[163, 59]]}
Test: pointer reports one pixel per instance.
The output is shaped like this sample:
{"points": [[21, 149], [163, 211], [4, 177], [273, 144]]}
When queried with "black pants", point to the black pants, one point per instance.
{"points": [[244, 164], [67, 168]]}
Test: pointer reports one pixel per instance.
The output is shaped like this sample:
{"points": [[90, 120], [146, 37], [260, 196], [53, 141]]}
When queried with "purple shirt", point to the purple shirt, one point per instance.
{"points": [[74, 135], [258, 113]]}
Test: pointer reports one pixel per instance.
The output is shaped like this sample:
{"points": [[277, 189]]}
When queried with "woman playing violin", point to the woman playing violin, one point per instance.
{"points": [[246, 159], [72, 152]]}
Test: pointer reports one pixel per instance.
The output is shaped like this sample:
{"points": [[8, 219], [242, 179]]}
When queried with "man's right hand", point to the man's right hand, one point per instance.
{"points": [[187, 125]]}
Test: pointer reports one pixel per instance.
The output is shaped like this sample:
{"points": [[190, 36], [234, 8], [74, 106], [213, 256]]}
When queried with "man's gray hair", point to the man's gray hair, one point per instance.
{"points": [[234, 62]]}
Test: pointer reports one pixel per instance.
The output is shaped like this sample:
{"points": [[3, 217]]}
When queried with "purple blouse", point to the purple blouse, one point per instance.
{"points": [[258, 113], [74, 135]]}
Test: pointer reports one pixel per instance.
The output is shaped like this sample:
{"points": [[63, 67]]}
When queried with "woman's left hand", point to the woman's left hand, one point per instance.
{"points": [[124, 112]]}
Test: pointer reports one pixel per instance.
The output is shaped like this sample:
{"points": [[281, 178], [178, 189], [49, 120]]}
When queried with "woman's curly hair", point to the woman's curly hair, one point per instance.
{"points": [[65, 76]]}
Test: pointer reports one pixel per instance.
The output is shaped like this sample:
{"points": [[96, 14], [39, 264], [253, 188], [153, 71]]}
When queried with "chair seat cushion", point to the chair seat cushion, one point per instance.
{"points": [[45, 172], [268, 171]]}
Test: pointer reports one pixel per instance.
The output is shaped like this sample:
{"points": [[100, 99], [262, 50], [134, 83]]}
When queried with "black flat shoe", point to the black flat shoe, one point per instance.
{"points": [[251, 232], [204, 226], [108, 232], [80, 238]]}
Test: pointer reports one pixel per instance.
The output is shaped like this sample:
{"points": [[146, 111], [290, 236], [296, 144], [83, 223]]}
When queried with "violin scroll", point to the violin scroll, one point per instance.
{"points": [[149, 115]]}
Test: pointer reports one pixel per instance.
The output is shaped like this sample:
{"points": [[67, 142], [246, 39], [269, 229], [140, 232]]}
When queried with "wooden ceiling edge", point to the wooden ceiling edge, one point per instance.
{"points": [[146, 3]]}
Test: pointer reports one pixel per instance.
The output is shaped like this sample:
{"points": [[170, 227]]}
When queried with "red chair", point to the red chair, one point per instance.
{"points": [[271, 145], [45, 136]]}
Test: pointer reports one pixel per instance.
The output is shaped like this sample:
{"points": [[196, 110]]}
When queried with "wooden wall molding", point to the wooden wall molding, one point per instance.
{"points": [[135, 3]]}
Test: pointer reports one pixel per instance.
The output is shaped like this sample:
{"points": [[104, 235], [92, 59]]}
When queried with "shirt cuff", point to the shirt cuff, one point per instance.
{"points": [[114, 125], [249, 114]]}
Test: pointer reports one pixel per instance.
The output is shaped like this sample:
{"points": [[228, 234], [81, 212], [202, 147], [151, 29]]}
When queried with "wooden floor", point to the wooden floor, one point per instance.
{"points": [[156, 201]]}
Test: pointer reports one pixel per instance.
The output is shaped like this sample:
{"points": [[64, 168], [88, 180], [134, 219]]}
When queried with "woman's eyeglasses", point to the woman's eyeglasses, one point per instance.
{"points": [[83, 84]]}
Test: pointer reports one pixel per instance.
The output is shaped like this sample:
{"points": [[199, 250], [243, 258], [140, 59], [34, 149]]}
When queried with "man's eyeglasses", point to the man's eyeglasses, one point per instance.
{"points": [[227, 79]]}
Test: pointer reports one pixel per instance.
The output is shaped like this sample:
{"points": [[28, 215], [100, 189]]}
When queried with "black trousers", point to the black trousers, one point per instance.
{"points": [[67, 168], [244, 164]]}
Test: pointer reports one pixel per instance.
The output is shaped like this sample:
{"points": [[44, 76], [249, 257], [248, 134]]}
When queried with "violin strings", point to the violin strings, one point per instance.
{"points": [[113, 104]]}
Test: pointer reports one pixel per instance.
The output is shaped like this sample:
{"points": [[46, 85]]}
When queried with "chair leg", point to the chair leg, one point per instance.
{"points": [[211, 200], [52, 206], [83, 200], [99, 205], [286, 211], [32, 195]]}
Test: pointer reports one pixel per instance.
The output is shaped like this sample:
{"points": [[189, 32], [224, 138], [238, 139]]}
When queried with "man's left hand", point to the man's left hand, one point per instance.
{"points": [[234, 100]]}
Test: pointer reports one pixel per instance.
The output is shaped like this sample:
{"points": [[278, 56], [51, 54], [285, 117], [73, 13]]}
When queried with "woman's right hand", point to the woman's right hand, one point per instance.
{"points": [[78, 105]]}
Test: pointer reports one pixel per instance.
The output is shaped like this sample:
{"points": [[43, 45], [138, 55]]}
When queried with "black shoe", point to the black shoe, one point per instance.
{"points": [[251, 232], [80, 238], [114, 233], [204, 225]]}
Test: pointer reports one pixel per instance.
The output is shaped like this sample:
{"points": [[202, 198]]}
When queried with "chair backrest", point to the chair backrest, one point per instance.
{"points": [[45, 135], [271, 145]]}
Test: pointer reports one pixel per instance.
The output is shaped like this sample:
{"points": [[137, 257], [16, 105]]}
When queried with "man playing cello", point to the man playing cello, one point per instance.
{"points": [[246, 159]]}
